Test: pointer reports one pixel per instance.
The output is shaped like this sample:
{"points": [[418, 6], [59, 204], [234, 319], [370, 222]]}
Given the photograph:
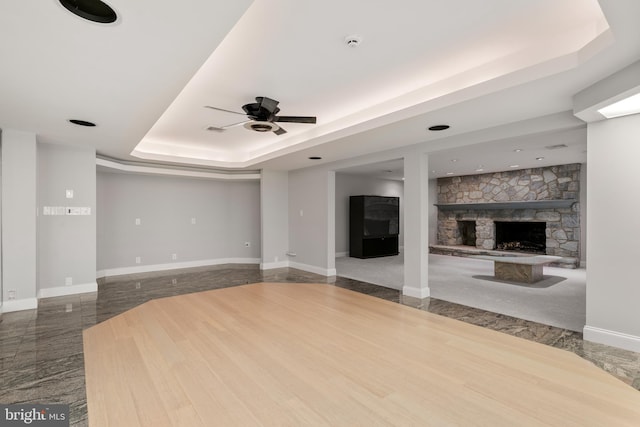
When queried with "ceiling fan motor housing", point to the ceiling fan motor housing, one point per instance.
{"points": [[264, 109]]}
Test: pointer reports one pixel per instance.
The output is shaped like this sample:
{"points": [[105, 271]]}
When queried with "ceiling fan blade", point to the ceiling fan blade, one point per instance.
{"points": [[295, 119], [279, 131], [236, 124], [222, 109], [223, 128]]}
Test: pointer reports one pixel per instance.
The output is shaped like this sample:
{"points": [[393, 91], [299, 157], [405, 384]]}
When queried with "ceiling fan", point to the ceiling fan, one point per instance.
{"points": [[261, 117]]}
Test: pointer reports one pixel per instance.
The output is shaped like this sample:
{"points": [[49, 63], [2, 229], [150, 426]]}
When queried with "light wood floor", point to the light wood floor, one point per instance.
{"points": [[317, 355]]}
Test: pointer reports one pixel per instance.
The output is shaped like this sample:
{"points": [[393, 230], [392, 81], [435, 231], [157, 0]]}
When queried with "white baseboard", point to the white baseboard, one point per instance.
{"points": [[61, 291], [416, 292], [612, 338], [173, 266], [19, 305], [342, 254], [272, 265], [328, 272]]}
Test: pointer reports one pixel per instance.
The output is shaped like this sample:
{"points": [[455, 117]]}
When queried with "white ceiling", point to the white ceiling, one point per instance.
{"points": [[479, 66]]}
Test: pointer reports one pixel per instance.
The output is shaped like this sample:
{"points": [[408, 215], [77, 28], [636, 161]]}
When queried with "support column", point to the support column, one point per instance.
{"points": [[613, 293], [416, 226], [274, 214], [331, 223], [19, 244]]}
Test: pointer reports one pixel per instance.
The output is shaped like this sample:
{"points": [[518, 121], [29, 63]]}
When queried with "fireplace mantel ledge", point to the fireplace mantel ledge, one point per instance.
{"points": [[526, 204]]}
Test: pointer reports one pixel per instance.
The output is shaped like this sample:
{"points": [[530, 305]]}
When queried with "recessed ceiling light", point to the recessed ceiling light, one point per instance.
{"points": [[82, 123], [624, 107], [454, 160], [539, 158], [517, 150], [436, 128], [315, 158], [514, 166], [92, 10], [449, 173], [479, 170]]}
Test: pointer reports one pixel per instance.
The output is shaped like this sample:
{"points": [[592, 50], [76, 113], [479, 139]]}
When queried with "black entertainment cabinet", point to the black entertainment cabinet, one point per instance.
{"points": [[374, 226]]}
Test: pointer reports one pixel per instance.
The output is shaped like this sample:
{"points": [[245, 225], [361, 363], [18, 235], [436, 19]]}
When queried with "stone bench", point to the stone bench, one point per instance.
{"points": [[523, 269]]}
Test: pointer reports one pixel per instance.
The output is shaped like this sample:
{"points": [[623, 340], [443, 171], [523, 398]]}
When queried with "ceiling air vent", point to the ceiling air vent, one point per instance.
{"points": [[555, 147]]}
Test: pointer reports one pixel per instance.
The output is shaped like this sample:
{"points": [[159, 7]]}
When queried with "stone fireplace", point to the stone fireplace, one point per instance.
{"points": [[533, 211]]}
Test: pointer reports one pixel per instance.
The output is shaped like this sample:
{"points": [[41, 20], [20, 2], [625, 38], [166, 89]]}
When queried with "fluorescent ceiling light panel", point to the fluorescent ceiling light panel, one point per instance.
{"points": [[624, 107]]}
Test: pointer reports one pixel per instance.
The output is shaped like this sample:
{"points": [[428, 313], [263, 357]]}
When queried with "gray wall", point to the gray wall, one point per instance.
{"points": [[19, 242], [66, 243], [227, 214], [355, 185]]}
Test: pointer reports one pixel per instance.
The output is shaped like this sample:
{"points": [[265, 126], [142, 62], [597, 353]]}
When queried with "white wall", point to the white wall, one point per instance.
{"points": [[226, 213], [19, 239], [613, 316], [66, 243], [355, 185]]}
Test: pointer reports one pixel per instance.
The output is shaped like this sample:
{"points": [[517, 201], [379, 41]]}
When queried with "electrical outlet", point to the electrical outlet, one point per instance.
{"points": [[137, 285], [247, 244], [138, 221], [12, 294], [193, 220], [138, 260], [174, 281], [174, 256], [69, 308], [68, 281], [69, 194]]}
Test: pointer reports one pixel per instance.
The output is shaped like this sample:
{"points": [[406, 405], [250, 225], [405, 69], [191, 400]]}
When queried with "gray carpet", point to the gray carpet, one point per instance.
{"points": [[559, 300]]}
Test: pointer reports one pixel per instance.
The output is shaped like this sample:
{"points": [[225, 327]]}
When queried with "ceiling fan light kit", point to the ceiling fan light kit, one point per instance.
{"points": [[262, 126]]}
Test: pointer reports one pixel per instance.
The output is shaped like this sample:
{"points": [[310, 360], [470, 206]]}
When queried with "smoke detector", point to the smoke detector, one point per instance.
{"points": [[353, 41], [261, 126]]}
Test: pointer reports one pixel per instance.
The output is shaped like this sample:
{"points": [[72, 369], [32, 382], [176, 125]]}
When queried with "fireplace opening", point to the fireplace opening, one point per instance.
{"points": [[521, 236], [467, 230]]}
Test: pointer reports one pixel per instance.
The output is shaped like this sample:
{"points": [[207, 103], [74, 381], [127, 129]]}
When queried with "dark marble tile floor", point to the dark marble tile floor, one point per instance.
{"points": [[41, 353]]}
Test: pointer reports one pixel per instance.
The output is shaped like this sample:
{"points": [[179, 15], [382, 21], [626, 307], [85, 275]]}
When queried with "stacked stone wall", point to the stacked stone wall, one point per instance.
{"points": [[550, 183]]}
